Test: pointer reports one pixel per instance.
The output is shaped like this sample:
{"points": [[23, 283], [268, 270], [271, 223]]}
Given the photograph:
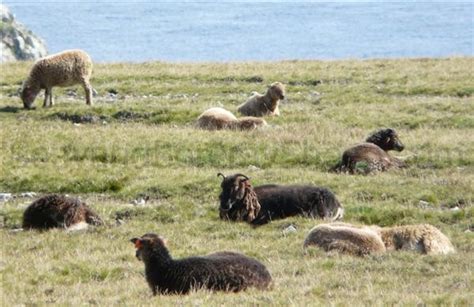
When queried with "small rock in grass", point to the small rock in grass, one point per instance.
{"points": [[5, 197], [28, 194], [289, 229], [253, 168], [140, 201], [424, 204]]}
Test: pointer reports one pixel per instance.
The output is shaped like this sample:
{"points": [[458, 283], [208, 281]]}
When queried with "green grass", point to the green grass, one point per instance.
{"points": [[144, 143]]}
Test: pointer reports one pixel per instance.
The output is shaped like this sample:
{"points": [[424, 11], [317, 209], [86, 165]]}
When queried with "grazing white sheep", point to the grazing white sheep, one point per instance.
{"points": [[219, 118], [62, 69], [261, 105]]}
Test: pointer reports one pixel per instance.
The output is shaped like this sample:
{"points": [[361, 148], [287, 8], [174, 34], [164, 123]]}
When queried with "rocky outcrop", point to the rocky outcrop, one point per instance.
{"points": [[18, 43]]}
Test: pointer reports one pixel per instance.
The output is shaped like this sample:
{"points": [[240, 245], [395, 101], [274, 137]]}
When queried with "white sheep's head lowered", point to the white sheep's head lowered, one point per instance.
{"points": [[28, 95]]}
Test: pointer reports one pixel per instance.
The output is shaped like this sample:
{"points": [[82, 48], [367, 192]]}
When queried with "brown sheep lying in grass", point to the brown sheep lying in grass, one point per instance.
{"points": [[363, 240], [345, 238], [58, 211], [221, 271], [373, 153], [61, 69], [219, 118], [422, 238], [261, 105]]}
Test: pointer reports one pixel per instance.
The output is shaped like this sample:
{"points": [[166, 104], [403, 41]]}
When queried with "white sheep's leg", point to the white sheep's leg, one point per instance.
{"points": [[88, 89], [47, 93], [276, 112], [51, 98]]}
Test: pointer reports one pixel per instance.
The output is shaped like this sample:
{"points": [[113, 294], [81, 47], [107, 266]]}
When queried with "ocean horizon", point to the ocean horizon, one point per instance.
{"points": [[137, 31]]}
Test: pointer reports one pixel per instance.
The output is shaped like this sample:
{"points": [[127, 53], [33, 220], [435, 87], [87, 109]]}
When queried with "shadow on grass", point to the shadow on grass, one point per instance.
{"points": [[10, 109]]}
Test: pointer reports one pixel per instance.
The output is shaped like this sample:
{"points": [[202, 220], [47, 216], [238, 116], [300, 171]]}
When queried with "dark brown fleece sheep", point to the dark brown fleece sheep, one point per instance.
{"points": [[239, 201], [58, 211], [62, 69], [373, 152], [221, 271]]}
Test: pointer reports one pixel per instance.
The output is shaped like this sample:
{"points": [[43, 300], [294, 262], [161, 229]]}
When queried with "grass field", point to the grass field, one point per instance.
{"points": [[141, 142]]}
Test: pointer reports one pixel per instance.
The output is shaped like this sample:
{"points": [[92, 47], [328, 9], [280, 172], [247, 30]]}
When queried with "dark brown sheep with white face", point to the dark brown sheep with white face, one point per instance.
{"points": [[221, 271], [374, 152], [58, 211], [239, 201]]}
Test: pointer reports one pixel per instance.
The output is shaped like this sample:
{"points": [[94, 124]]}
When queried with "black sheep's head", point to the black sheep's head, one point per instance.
{"points": [[233, 189], [149, 245], [387, 139]]}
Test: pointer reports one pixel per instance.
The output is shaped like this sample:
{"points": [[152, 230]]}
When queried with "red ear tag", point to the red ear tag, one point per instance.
{"points": [[138, 244]]}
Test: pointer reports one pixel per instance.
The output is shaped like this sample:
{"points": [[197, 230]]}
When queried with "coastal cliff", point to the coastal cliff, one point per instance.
{"points": [[18, 43]]}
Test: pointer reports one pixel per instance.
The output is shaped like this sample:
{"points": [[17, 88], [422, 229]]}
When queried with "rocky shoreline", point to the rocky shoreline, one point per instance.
{"points": [[18, 43]]}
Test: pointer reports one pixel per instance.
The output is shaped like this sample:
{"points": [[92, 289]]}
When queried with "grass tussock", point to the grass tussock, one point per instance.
{"points": [[139, 140]]}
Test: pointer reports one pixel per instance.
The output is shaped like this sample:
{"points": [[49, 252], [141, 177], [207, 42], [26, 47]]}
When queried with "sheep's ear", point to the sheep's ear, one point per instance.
{"points": [[21, 88], [138, 243], [164, 240]]}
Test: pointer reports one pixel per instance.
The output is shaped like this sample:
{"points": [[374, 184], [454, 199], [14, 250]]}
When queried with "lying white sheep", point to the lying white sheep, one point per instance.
{"points": [[362, 240], [261, 105], [219, 118], [345, 238], [422, 238], [62, 69]]}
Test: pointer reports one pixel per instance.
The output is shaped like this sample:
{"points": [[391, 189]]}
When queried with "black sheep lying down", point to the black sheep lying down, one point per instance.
{"points": [[221, 271], [239, 201]]}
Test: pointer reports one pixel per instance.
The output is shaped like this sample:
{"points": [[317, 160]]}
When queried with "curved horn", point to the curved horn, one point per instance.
{"points": [[242, 175], [220, 174]]}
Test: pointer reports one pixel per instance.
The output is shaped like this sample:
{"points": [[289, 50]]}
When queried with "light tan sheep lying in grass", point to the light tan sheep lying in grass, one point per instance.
{"points": [[422, 238], [345, 238], [219, 118], [261, 105], [363, 240], [62, 69]]}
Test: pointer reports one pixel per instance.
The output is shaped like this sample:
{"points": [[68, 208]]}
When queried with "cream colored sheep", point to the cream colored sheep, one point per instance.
{"points": [[422, 238], [62, 69], [219, 118], [261, 105], [345, 238]]}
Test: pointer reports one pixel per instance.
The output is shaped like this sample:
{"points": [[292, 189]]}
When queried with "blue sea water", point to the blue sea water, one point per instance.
{"points": [[139, 31]]}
